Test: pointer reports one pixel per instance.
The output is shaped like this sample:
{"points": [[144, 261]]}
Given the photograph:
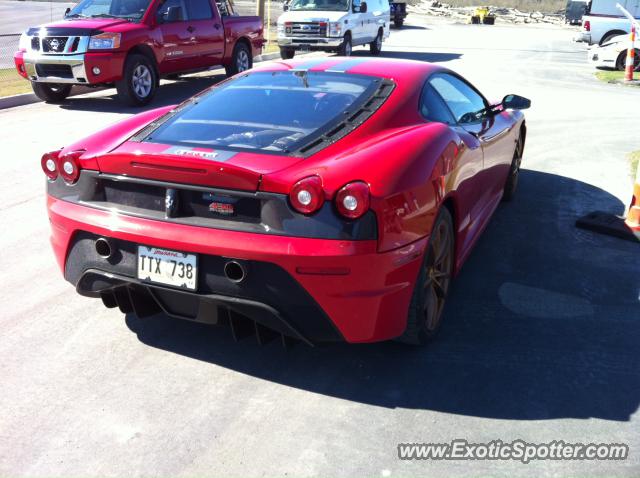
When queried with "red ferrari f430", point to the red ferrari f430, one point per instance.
{"points": [[330, 199]]}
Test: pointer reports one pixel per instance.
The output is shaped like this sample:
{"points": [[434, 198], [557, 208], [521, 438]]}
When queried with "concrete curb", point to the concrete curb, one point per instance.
{"points": [[28, 98], [18, 100]]}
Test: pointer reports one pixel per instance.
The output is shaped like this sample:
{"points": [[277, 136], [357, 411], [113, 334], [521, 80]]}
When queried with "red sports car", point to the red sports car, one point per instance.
{"points": [[324, 200]]}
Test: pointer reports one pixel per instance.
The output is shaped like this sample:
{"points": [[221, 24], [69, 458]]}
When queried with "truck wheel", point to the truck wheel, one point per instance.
{"points": [[51, 92], [398, 22], [241, 60], [345, 47], [287, 53], [376, 45], [139, 81], [609, 35]]}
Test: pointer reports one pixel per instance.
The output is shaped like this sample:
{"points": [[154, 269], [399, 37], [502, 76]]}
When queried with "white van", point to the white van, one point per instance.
{"points": [[603, 20], [332, 25]]}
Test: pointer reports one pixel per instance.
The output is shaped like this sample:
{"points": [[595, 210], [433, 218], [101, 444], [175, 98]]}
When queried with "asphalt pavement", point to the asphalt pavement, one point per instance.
{"points": [[539, 341]]}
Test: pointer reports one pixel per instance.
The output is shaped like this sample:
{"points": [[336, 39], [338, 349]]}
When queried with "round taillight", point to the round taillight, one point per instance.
{"points": [[49, 165], [307, 196], [353, 200], [69, 166]]}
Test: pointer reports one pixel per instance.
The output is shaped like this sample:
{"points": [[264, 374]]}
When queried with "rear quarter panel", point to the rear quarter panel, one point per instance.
{"points": [[247, 27]]}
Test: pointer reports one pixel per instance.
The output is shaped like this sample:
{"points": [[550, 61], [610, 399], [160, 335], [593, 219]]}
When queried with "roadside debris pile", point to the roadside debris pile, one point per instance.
{"points": [[503, 15]]}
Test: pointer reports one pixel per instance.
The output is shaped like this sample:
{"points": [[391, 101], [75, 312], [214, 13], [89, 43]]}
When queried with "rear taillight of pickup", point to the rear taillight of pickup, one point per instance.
{"points": [[587, 26]]}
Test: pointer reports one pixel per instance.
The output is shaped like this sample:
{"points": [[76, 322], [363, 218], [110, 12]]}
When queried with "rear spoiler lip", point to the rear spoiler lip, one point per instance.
{"points": [[180, 169]]}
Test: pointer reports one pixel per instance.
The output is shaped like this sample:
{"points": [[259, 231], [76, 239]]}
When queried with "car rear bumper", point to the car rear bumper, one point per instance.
{"points": [[313, 289], [582, 37], [81, 69]]}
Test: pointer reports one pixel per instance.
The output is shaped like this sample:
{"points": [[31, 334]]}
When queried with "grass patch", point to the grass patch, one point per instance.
{"points": [[11, 83], [634, 159], [613, 76]]}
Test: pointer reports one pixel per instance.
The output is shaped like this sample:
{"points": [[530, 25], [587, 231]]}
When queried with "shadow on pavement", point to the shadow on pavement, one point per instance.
{"points": [[414, 55], [409, 27], [542, 323], [167, 94]]}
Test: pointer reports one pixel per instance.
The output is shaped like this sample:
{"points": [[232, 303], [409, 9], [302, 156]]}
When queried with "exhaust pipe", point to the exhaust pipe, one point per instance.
{"points": [[235, 272], [103, 248]]}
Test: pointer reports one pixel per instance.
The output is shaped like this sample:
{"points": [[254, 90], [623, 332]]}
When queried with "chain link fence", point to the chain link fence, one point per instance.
{"points": [[10, 82]]}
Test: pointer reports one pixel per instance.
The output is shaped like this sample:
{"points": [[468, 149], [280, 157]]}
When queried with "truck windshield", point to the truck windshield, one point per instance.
{"points": [[322, 5], [269, 111], [129, 9]]}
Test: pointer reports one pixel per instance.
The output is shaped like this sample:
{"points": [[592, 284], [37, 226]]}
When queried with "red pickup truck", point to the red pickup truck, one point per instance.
{"points": [[133, 43]]}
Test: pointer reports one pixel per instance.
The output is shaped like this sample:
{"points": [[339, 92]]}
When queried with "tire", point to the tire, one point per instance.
{"points": [[375, 47], [139, 81], [511, 184], [429, 294], [398, 22], [621, 61], [475, 20], [345, 47], [240, 61], [489, 20], [51, 92], [287, 53]]}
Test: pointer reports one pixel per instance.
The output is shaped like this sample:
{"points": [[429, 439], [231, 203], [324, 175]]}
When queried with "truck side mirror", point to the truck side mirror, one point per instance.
{"points": [[174, 14], [285, 7], [66, 12], [363, 7]]}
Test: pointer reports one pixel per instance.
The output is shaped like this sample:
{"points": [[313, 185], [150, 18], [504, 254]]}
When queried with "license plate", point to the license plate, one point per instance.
{"points": [[305, 48], [162, 266]]}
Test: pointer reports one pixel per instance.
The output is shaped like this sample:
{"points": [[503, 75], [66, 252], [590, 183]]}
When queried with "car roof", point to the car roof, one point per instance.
{"points": [[401, 71]]}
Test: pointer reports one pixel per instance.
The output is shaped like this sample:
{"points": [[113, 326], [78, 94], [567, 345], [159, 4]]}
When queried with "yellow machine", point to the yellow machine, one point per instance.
{"points": [[483, 15]]}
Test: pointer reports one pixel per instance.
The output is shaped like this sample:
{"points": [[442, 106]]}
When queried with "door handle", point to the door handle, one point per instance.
{"points": [[216, 26], [191, 29], [499, 134]]}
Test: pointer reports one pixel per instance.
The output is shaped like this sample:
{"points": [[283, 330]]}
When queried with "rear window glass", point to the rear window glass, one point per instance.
{"points": [[270, 111]]}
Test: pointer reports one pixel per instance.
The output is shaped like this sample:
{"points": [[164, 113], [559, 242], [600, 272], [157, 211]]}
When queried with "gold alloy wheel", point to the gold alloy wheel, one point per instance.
{"points": [[438, 274]]}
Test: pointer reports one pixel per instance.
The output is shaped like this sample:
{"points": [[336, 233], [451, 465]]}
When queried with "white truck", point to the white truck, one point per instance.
{"points": [[603, 20], [332, 25]]}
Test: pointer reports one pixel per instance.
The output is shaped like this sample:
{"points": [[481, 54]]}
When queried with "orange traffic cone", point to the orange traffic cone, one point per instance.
{"points": [[628, 71], [624, 227], [633, 215]]}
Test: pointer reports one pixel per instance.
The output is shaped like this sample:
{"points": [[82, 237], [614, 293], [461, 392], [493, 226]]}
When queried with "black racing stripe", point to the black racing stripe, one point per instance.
{"points": [[345, 66], [307, 65]]}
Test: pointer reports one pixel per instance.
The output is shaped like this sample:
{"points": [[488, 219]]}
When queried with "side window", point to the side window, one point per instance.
{"points": [[163, 9], [199, 9], [433, 108], [224, 8], [465, 102]]}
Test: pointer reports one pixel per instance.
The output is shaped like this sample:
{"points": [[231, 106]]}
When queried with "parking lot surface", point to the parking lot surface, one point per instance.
{"points": [[539, 342]]}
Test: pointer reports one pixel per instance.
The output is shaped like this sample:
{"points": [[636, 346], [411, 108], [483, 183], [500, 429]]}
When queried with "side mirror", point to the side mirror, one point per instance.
{"points": [[285, 7], [363, 7], [515, 102], [174, 14], [66, 12]]}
